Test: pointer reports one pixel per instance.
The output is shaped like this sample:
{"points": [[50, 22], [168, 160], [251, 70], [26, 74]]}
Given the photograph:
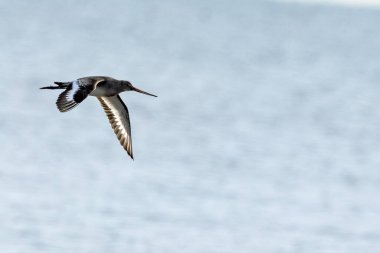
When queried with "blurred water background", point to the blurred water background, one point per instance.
{"points": [[265, 136]]}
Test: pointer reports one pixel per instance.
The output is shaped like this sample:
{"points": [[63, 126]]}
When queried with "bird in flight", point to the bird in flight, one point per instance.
{"points": [[106, 90]]}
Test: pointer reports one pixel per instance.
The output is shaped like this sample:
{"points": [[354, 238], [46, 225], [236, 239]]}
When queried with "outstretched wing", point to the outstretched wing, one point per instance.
{"points": [[117, 113], [76, 92]]}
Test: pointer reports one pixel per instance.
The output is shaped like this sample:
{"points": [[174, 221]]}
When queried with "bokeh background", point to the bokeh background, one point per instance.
{"points": [[265, 136]]}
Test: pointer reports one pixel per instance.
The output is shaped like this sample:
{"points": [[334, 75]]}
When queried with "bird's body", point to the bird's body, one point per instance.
{"points": [[107, 90]]}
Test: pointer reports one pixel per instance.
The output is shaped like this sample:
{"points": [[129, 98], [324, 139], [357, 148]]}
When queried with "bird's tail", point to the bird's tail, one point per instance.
{"points": [[51, 88], [59, 85]]}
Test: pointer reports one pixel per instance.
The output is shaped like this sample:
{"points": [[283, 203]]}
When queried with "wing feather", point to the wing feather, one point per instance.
{"points": [[118, 116], [76, 92]]}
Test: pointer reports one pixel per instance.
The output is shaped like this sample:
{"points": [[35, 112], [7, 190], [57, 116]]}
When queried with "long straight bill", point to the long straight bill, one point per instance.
{"points": [[143, 92]]}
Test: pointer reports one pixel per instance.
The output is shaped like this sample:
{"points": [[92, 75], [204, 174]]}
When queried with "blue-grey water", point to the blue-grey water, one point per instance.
{"points": [[265, 136]]}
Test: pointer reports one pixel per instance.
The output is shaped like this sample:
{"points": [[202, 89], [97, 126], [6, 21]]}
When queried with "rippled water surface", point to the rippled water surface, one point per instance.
{"points": [[265, 136]]}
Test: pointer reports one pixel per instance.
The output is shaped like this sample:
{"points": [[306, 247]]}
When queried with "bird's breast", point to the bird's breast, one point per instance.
{"points": [[103, 92]]}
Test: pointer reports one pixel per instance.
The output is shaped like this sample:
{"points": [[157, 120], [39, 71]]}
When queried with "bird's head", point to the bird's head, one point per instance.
{"points": [[127, 86]]}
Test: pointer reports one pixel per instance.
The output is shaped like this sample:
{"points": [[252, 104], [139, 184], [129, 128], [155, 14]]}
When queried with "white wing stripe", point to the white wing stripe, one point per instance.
{"points": [[74, 89]]}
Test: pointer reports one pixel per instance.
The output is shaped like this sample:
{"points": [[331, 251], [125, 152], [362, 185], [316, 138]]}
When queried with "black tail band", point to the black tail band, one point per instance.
{"points": [[51, 87]]}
